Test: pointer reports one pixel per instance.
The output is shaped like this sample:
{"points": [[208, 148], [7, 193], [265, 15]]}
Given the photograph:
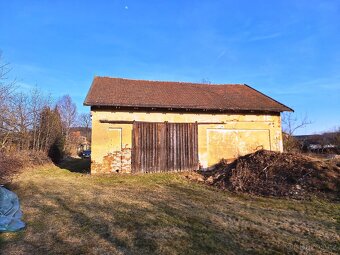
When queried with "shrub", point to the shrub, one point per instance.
{"points": [[56, 151], [11, 163], [9, 166]]}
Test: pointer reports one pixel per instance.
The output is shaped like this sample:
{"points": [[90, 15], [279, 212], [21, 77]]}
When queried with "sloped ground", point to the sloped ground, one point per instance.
{"points": [[74, 213], [269, 173]]}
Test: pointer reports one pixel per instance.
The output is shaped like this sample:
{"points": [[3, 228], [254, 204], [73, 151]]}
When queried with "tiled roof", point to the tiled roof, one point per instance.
{"points": [[106, 91]]}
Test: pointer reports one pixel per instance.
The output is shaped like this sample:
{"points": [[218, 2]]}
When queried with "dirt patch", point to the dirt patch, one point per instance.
{"points": [[270, 173]]}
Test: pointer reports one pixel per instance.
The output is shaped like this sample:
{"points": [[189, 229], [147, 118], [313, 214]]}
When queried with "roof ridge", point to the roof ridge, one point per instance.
{"points": [[111, 91], [177, 82]]}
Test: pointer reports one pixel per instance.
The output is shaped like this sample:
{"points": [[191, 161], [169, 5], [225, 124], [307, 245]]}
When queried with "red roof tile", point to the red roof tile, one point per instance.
{"points": [[106, 91]]}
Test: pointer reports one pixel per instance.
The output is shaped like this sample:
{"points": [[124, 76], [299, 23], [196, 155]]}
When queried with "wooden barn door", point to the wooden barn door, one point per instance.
{"points": [[148, 147], [181, 146], [162, 147]]}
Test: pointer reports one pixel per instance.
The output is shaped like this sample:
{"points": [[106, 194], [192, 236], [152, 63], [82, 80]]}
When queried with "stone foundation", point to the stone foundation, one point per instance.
{"points": [[116, 162]]}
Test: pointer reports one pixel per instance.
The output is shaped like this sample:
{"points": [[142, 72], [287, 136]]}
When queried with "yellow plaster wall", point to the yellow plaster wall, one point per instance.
{"points": [[238, 135], [221, 143]]}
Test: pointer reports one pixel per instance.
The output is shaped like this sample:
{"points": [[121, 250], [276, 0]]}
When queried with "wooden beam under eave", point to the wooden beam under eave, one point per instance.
{"points": [[131, 122]]}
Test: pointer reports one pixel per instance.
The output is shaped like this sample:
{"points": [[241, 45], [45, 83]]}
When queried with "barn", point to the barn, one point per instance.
{"points": [[141, 126]]}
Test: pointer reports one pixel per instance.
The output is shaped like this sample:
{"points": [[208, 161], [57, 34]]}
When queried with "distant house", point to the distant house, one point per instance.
{"points": [[78, 141], [320, 143], [154, 126]]}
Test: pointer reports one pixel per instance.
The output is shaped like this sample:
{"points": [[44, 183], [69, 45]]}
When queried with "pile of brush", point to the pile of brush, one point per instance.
{"points": [[268, 173]]}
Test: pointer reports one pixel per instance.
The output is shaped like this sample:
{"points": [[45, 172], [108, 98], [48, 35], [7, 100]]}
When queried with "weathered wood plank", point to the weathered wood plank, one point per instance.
{"points": [[165, 146]]}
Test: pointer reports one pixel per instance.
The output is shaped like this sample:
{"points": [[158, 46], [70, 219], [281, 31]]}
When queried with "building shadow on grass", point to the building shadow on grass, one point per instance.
{"points": [[131, 229], [76, 165]]}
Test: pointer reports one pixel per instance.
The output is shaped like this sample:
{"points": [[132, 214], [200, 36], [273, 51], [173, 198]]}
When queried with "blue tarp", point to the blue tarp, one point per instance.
{"points": [[10, 213]]}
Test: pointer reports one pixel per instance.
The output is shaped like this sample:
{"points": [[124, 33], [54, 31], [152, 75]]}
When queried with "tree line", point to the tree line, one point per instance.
{"points": [[34, 121]]}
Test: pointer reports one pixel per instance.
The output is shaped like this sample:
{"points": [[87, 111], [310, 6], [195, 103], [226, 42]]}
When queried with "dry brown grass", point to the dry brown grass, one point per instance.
{"points": [[73, 213]]}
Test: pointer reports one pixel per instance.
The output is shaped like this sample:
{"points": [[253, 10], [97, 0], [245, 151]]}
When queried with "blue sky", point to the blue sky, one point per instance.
{"points": [[289, 50]]}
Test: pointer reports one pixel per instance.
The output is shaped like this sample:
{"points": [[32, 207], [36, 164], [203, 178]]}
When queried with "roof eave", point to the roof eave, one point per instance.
{"points": [[189, 108], [287, 109]]}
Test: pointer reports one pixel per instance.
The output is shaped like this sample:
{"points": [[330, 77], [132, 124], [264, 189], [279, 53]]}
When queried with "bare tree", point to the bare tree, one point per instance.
{"points": [[85, 122], [7, 89], [22, 121], [30, 121], [205, 81], [37, 103], [68, 113], [291, 123]]}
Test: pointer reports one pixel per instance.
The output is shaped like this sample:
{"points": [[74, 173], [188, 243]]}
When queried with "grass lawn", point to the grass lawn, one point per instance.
{"points": [[74, 213]]}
